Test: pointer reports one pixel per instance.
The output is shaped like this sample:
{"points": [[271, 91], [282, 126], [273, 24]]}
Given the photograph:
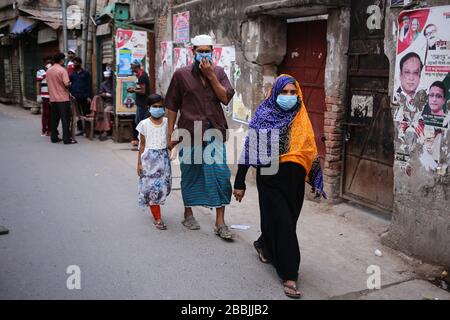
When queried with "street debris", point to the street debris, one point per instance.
{"points": [[240, 227], [3, 230], [378, 253]]}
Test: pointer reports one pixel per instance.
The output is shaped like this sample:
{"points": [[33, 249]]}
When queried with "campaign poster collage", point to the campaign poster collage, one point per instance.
{"points": [[422, 87]]}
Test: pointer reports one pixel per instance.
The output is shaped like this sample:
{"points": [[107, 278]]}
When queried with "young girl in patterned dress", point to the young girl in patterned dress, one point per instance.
{"points": [[153, 169]]}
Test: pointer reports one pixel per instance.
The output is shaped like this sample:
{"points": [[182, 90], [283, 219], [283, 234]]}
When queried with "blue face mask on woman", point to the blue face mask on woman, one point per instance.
{"points": [[287, 102], [157, 112], [200, 56]]}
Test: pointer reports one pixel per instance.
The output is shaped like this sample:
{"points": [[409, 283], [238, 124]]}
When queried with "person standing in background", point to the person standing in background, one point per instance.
{"points": [[43, 97], [81, 90], [71, 54], [58, 86], [142, 91]]}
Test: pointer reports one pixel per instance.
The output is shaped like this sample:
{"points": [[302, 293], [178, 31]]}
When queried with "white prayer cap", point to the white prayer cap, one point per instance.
{"points": [[107, 74], [72, 50], [202, 40]]}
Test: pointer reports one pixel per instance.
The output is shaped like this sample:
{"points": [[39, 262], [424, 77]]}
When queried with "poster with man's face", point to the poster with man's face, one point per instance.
{"points": [[422, 83]]}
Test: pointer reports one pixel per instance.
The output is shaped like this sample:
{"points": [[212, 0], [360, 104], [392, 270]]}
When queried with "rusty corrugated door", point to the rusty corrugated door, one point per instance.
{"points": [[306, 60], [369, 131]]}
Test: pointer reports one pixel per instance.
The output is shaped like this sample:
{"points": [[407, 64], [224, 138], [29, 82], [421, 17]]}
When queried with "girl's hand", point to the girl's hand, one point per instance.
{"points": [[173, 153], [139, 170], [239, 194]]}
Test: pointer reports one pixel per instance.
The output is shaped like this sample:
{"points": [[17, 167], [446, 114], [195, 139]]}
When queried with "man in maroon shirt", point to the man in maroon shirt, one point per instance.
{"points": [[196, 92]]}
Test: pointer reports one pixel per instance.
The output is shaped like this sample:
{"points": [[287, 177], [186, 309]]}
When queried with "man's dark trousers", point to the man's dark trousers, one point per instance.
{"points": [[84, 108], [61, 111]]}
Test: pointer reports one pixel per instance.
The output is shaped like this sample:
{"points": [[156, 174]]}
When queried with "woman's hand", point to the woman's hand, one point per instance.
{"points": [[239, 194], [139, 170]]}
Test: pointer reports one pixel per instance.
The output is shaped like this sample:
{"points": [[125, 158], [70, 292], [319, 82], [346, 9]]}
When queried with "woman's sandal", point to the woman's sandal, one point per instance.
{"points": [[260, 253], [160, 225], [288, 291]]}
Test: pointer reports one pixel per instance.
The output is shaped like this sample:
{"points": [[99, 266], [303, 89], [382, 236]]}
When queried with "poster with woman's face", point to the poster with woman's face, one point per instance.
{"points": [[422, 83]]}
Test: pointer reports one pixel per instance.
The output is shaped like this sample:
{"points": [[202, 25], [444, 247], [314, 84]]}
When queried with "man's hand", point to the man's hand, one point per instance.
{"points": [[171, 144], [131, 90], [39, 99], [139, 170], [239, 194], [207, 69]]}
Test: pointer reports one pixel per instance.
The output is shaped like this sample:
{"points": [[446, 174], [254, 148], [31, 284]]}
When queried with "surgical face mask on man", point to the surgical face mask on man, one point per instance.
{"points": [[157, 111], [200, 56], [287, 102]]}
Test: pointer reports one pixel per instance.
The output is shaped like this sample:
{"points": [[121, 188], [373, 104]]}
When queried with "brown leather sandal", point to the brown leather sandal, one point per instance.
{"points": [[287, 287]]}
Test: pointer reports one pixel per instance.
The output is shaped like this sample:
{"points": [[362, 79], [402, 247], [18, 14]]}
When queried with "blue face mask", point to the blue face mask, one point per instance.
{"points": [[200, 56], [156, 112], [287, 102]]}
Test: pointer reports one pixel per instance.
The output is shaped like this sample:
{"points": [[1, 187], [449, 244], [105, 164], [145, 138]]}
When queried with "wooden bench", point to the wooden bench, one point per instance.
{"points": [[89, 130], [120, 127]]}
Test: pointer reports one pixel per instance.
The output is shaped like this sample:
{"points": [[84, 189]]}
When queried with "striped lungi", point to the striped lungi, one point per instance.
{"points": [[207, 183]]}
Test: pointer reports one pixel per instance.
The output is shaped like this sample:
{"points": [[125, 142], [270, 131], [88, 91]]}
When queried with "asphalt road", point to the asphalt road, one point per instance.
{"points": [[76, 205]]}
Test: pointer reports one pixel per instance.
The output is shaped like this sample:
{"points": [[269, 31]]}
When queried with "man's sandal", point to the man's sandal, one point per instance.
{"points": [[223, 232], [191, 223], [288, 291]]}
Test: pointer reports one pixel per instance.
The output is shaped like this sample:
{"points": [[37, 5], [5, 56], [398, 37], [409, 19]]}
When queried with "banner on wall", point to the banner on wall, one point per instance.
{"points": [[181, 27], [422, 85], [130, 45]]}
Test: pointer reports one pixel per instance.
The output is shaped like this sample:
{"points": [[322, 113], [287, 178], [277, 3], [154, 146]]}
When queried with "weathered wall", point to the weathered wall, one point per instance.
{"points": [[421, 219], [335, 90]]}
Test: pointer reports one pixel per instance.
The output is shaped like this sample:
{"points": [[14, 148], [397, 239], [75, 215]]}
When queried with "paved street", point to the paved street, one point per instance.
{"points": [[77, 205]]}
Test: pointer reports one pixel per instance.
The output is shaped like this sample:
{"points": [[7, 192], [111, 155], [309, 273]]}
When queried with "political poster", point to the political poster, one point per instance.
{"points": [[181, 27], [130, 45], [422, 83]]}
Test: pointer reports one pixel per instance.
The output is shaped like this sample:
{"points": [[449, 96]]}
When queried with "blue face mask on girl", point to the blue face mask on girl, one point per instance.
{"points": [[157, 112], [200, 56], [287, 102]]}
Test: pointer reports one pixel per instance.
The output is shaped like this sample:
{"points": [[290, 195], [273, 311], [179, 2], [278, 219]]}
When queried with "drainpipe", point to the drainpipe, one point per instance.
{"points": [[64, 14], [90, 36], [86, 23]]}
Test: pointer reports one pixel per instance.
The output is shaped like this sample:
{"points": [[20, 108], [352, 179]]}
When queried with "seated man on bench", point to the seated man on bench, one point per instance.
{"points": [[102, 106]]}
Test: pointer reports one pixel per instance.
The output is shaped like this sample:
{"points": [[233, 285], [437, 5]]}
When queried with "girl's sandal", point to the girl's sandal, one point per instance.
{"points": [[291, 291], [160, 225]]}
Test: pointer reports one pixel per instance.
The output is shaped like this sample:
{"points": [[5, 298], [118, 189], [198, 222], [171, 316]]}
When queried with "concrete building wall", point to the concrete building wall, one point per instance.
{"points": [[421, 218]]}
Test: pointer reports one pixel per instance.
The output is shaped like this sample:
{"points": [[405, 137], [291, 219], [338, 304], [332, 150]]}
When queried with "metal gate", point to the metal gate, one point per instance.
{"points": [[369, 130], [305, 60], [32, 63]]}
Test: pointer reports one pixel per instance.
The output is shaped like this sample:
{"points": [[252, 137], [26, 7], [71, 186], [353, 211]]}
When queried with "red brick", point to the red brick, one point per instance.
{"points": [[332, 173], [333, 144], [333, 100], [332, 157], [338, 108], [334, 150], [333, 136], [334, 116]]}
